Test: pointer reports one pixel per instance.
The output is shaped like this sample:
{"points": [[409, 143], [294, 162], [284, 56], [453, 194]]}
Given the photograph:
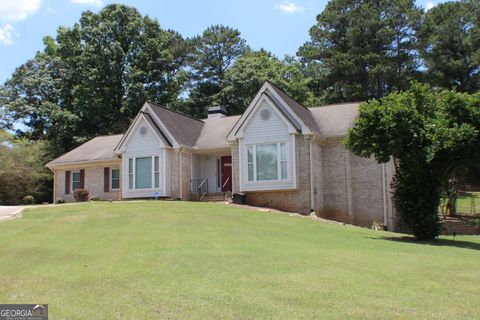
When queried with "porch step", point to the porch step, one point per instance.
{"points": [[213, 197]]}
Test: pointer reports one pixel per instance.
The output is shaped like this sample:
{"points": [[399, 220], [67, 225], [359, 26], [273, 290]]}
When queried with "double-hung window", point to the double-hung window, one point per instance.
{"points": [[115, 179], [266, 162], [76, 180], [144, 172]]}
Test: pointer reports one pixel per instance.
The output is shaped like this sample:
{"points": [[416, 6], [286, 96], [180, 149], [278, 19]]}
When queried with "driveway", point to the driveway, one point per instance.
{"points": [[10, 212]]}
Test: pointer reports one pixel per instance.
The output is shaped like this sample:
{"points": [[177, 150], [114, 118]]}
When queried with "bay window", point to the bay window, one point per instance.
{"points": [[266, 162], [144, 172]]}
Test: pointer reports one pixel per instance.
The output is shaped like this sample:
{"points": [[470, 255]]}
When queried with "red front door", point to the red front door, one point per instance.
{"points": [[226, 172]]}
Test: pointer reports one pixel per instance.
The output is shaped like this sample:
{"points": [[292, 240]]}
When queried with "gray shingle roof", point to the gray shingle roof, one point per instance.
{"points": [[184, 129], [328, 121], [99, 148], [215, 131], [334, 120], [301, 111]]}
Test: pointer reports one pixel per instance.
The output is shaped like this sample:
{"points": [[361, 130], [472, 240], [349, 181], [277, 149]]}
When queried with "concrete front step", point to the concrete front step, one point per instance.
{"points": [[211, 197]]}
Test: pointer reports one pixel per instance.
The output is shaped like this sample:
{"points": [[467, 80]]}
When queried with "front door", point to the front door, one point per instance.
{"points": [[226, 173]]}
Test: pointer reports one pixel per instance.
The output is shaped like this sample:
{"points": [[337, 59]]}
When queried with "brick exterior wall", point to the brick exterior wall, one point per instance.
{"points": [[334, 183], [290, 200], [367, 191], [346, 188], [186, 176], [354, 188], [177, 173], [174, 174], [93, 182]]}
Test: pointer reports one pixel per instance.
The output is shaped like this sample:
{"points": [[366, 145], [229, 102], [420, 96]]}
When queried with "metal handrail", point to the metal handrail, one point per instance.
{"points": [[226, 181], [199, 186]]}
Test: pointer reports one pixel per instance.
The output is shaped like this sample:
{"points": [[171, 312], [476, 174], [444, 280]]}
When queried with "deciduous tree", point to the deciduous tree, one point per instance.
{"points": [[429, 136]]}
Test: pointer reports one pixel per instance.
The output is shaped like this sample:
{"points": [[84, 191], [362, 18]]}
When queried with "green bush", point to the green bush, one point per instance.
{"points": [[59, 201], [28, 200], [94, 197], [81, 195]]}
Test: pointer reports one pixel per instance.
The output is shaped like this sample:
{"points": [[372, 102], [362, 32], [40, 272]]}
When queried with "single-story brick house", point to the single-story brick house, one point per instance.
{"points": [[278, 153]]}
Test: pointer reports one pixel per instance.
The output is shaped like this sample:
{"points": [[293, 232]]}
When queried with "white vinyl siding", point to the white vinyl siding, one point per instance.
{"points": [[150, 146], [258, 131]]}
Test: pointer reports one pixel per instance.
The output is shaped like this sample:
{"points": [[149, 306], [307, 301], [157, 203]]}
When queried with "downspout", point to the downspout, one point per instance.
{"points": [[384, 196], [54, 186], [312, 190], [180, 169]]}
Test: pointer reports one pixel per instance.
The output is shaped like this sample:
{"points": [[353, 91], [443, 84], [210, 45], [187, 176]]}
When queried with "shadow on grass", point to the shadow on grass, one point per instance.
{"points": [[438, 242]]}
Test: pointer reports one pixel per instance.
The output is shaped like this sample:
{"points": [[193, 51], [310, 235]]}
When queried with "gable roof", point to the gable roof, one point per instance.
{"points": [[184, 129], [327, 121], [214, 132], [301, 111], [99, 148], [335, 119]]}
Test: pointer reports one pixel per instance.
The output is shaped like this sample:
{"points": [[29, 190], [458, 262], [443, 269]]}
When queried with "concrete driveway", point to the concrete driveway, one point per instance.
{"points": [[10, 212]]}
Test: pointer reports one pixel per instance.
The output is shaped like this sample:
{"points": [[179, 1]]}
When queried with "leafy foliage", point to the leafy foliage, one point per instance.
{"points": [[429, 135], [93, 77], [214, 52], [81, 195], [252, 69], [22, 173], [450, 45], [365, 48]]}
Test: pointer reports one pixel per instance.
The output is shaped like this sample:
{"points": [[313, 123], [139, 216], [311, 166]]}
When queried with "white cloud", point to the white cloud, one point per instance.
{"points": [[96, 3], [289, 7], [6, 34], [430, 5], [16, 10]]}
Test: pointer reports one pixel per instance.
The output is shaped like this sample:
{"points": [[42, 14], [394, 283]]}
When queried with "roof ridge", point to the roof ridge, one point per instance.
{"points": [[174, 111], [277, 88], [108, 135], [336, 104]]}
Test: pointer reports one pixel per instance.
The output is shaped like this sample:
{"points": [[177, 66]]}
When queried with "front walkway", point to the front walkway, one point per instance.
{"points": [[10, 212]]}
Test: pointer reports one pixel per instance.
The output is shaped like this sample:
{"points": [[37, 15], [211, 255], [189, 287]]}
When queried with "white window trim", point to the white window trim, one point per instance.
{"points": [[279, 166], [111, 179], [152, 173], [79, 181], [155, 172]]}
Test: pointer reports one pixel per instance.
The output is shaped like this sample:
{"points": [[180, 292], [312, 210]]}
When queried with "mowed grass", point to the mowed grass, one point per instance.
{"points": [[186, 260], [469, 204]]}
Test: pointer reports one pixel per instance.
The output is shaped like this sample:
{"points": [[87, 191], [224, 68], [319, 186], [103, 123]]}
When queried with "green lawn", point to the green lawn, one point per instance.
{"points": [[182, 260], [464, 204]]}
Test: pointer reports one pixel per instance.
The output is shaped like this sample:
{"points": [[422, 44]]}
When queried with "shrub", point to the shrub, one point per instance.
{"points": [[28, 200], [94, 197], [378, 225], [81, 195], [59, 201]]}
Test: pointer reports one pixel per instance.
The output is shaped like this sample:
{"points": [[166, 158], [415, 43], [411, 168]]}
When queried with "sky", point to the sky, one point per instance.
{"points": [[280, 26]]}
